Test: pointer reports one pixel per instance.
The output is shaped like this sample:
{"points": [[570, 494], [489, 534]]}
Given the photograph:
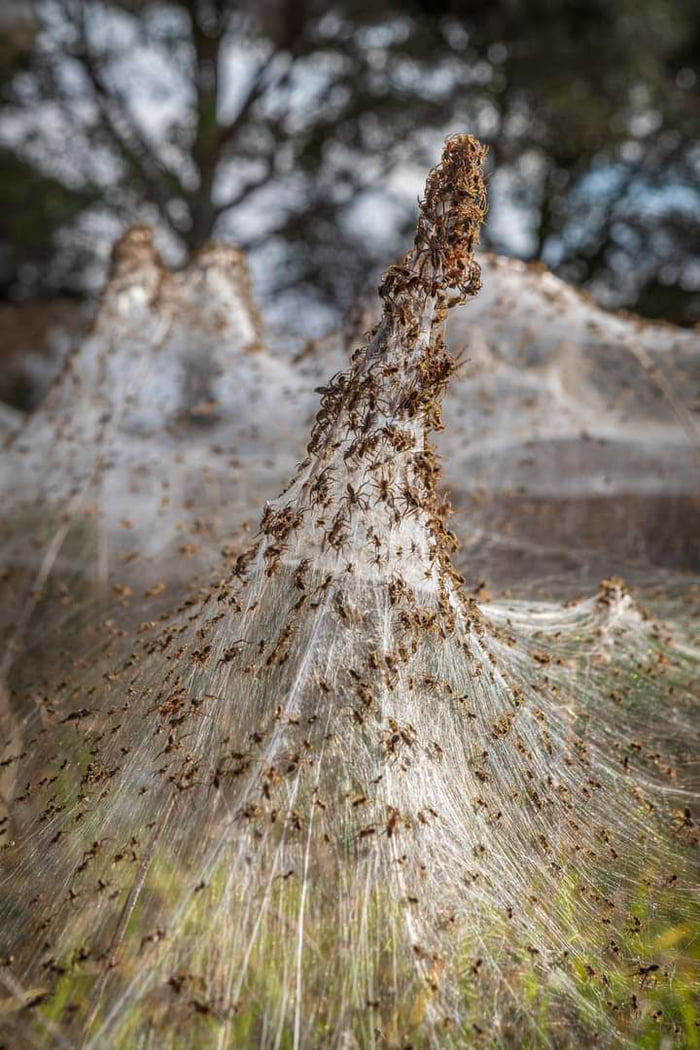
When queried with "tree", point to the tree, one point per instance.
{"points": [[36, 208], [37, 205], [276, 124]]}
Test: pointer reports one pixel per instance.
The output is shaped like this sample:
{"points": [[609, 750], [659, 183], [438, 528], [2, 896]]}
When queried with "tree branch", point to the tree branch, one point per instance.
{"points": [[249, 187], [143, 162], [256, 88]]}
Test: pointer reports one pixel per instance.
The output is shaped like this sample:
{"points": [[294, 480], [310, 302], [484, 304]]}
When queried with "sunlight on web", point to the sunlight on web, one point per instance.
{"points": [[333, 801]]}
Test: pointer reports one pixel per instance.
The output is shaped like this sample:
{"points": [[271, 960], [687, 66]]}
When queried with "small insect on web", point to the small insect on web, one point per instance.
{"points": [[571, 445], [380, 816]]}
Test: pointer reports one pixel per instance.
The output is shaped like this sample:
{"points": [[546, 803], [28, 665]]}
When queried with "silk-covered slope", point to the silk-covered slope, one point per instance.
{"points": [[331, 802], [166, 428], [572, 439]]}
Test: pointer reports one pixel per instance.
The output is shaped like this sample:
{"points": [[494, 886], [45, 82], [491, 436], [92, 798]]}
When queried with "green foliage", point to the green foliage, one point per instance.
{"points": [[35, 208]]}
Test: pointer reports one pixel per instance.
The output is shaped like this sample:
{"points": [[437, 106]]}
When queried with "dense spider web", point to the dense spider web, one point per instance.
{"points": [[335, 801], [571, 434], [162, 436]]}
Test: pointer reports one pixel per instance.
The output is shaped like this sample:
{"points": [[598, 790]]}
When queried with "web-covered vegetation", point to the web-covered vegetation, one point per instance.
{"points": [[332, 800], [571, 437], [162, 436]]}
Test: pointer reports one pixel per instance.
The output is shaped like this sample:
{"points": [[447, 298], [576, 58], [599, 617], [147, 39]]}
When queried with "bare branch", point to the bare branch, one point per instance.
{"points": [[257, 87], [249, 187], [140, 156]]}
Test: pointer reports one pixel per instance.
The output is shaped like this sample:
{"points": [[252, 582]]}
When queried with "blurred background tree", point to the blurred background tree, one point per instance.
{"points": [[300, 129]]}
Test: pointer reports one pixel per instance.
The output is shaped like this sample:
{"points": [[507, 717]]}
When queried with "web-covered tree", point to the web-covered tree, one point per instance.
{"points": [[331, 801]]}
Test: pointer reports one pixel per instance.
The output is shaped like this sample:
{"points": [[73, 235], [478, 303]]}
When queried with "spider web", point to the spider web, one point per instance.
{"points": [[335, 801]]}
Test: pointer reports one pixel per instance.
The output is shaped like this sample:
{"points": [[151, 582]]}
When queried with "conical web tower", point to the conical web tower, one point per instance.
{"points": [[148, 456], [331, 803]]}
